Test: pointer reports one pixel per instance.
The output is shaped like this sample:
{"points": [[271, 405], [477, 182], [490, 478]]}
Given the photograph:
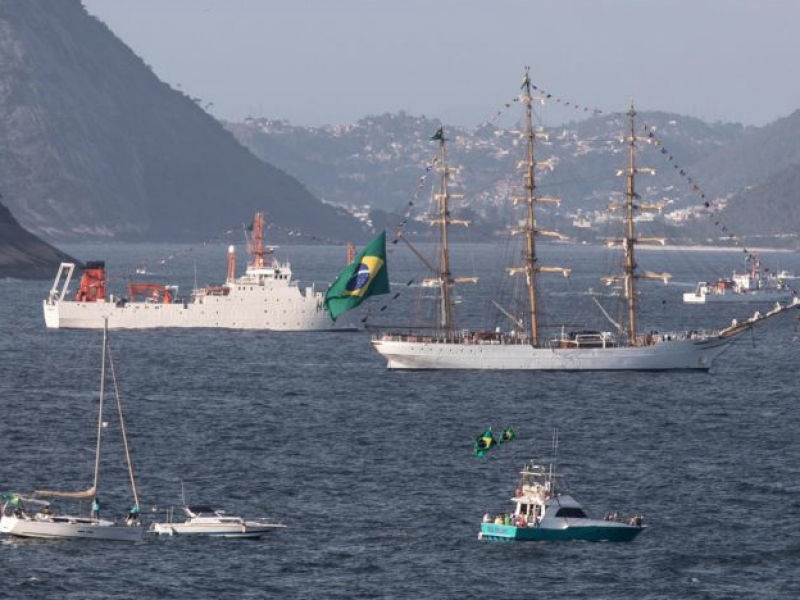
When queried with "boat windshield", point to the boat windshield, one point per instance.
{"points": [[568, 512], [200, 510]]}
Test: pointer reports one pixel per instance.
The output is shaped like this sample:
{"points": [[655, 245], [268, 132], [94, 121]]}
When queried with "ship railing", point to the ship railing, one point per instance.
{"points": [[467, 338], [656, 337]]}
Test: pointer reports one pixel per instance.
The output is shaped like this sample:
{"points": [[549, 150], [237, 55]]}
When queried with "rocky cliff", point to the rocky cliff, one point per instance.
{"points": [[94, 145], [22, 254]]}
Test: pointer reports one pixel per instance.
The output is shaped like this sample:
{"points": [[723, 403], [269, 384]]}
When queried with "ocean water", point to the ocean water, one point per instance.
{"points": [[372, 471]]}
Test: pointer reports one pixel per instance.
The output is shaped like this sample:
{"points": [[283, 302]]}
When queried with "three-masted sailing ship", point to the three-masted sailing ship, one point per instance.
{"points": [[30, 516], [447, 347]]}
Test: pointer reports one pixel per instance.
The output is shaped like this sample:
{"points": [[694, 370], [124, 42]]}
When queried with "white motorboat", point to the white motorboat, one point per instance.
{"points": [[265, 297], [204, 520], [30, 516]]}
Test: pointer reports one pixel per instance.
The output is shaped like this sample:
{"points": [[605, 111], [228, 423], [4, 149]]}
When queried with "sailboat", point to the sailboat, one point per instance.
{"points": [[524, 348], [30, 516]]}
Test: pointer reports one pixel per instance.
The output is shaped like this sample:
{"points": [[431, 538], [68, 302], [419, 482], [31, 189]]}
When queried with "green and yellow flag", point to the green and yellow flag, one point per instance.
{"points": [[366, 276], [484, 442], [508, 435]]}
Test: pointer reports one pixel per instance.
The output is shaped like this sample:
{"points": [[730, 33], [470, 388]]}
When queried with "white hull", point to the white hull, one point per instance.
{"points": [[70, 529], [730, 296], [261, 308], [682, 354], [244, 530]]}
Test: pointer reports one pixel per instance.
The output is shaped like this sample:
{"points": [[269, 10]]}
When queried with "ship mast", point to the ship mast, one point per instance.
{"points": [[532, 268], [530, 220], [445, 280], [630, 239], [630, 206]]}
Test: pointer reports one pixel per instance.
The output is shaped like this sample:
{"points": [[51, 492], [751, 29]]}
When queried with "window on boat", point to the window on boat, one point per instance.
{"points": [[571, 513]]}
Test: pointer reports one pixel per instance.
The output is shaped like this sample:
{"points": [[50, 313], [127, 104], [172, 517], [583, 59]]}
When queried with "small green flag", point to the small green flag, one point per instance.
{"points": [[484, 442], [508, 435], [366, 276], [439, 135]]}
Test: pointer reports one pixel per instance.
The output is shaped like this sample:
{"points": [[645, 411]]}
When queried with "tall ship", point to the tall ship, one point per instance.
{"points": [[446, 346], [756, 284], [265, 297]]}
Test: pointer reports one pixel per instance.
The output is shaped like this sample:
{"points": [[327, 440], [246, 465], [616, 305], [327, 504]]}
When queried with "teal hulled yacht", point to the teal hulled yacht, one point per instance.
{"points": [[543, 513]]}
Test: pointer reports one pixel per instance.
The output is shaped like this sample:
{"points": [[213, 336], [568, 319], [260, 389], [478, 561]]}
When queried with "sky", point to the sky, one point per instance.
{"points": [[317, 62]]}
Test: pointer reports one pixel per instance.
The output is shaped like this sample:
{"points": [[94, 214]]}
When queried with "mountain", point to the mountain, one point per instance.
{"points": [[770, 208], [753, 158], [378, 160], [94, 145], [22, 254]]}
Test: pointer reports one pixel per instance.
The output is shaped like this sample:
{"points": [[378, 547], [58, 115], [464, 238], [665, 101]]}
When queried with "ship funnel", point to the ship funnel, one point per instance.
{"points": [[231, 263]]}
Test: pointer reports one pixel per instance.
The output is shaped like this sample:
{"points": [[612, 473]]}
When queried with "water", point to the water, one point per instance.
{"points": [[372, 470]]}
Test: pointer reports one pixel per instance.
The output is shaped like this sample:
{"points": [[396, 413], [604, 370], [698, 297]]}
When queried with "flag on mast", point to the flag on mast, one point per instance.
{"points": [[366, 276]]}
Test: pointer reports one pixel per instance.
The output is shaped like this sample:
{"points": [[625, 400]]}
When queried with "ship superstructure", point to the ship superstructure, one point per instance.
{"points": [[265, 297]]}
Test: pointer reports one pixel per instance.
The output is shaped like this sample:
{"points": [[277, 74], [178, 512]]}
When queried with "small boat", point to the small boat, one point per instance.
{"points": [[544, 512], [754, 285], [31, 516], [204, 520]]}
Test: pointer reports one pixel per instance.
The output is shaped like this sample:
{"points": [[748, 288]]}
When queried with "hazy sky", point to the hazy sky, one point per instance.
{"points": [[334, 61]]}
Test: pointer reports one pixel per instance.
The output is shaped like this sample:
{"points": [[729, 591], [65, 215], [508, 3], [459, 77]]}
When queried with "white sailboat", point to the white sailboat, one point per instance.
{"points": [[31, 516], [445, 347]]}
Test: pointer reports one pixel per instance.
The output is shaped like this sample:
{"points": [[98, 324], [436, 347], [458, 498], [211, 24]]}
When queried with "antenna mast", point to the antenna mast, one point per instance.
{"points": [[256, 242]]}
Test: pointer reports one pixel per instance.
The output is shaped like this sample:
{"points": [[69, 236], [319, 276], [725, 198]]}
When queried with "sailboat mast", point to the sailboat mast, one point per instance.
{"points": [[100, 409], [446, 317], [124, 430], [630, 238], [530, 222]]}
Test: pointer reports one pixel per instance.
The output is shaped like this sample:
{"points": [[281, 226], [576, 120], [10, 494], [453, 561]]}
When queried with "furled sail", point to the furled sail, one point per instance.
{"points": [[90, 493]]}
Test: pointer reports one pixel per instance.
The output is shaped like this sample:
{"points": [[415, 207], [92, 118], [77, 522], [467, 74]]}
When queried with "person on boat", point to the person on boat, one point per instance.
{"points": [[133, 515], [95, 508]]}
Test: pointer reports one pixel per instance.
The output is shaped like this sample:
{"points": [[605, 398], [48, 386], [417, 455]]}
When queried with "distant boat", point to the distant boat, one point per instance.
{"points": [[544, 512], [444, 345], [754, 285], [264, 298], [30, 516], [204, 520]]}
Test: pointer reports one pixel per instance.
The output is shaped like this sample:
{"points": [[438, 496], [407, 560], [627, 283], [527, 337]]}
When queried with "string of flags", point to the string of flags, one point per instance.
{"points": [[695, 188], [710, 207], [486, 441], [545, 97], [144, 267]]}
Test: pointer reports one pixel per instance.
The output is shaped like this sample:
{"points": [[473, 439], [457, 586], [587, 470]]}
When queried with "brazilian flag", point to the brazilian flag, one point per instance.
{"points": [[508, 435], [484, 442], [364, 277]]}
